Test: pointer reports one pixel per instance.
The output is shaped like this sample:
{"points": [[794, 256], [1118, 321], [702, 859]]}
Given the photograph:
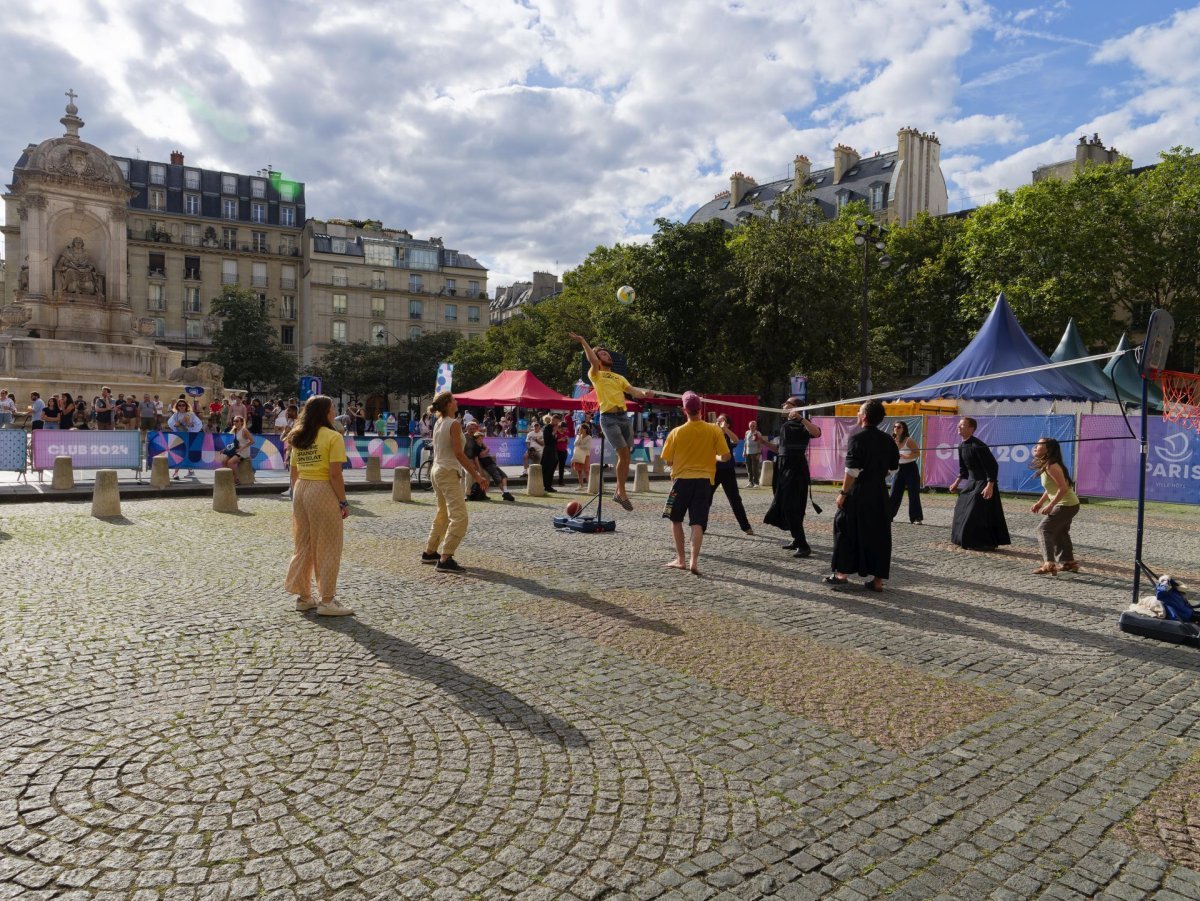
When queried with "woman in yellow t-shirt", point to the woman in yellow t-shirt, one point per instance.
{"points": [[318, 507]]}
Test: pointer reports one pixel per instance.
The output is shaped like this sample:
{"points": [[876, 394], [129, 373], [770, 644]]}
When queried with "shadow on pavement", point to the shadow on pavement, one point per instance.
{"points": [[474, 693], [537, 590]]}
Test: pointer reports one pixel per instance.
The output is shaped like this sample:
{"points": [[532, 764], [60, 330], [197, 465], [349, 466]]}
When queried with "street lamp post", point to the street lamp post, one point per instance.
{"points": [[867, 235], [387, 374]]}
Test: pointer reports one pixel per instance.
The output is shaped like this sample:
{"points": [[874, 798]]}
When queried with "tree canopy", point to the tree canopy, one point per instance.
{"points": [[245, 345]]}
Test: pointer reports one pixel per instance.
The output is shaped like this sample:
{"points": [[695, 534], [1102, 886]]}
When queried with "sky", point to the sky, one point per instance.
{"points": [[528, 132]]}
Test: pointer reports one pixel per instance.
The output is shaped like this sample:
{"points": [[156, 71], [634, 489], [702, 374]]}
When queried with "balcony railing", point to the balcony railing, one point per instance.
{"points": [[262, 248], [227, 279], [412, 314], [286, 251], [156, 273], [258, 281], [229, 245], [192, 274], [287, 313], [192, 240], [287, 283], [341, 281]]}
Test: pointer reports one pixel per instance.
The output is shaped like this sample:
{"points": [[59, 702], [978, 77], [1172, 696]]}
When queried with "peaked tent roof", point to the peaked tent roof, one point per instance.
{"points": [[1001, 346], [1124, 371], [516, 387], [1090, 375]]}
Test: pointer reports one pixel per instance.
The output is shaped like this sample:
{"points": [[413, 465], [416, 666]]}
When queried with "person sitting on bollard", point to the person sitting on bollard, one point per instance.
{"points": [[485, 465], [239, 449]]}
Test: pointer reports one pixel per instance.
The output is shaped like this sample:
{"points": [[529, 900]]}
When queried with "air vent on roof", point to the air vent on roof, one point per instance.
{"points": [[853, 171], [817, 181], [725, 205], [888, 164]]}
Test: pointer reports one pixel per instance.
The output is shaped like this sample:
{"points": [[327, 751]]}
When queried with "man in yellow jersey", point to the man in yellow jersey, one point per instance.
{"points": [[692, 450], [611, 388]]}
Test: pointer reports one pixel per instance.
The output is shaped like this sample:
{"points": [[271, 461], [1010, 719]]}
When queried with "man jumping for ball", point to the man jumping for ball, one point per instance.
{"points": [[611, 389]]}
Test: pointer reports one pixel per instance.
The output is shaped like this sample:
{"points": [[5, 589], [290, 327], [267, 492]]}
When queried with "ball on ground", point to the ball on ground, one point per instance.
{"points": [[626, 294], [573, 508]]}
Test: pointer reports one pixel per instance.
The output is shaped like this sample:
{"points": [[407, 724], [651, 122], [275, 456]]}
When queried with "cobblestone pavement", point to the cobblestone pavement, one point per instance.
{"points": [[572, 720]]}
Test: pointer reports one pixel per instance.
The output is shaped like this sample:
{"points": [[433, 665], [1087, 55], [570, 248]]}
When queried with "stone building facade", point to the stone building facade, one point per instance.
{"points": [[1089, 151], [509, 301], [364, 282], [896, 185]]}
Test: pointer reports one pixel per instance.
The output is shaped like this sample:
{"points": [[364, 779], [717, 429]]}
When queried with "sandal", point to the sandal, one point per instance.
{"points": [[834, 580], [871, 586], [1046, 569], [1071, 567]]}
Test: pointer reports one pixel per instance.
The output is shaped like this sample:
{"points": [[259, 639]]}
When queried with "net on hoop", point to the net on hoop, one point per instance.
{"points": [[589, 402], [1181, 398]]}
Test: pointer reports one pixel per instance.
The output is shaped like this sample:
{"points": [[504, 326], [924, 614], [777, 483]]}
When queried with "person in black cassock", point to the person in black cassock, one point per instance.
{"points": [[978, 516], [862, 526], [791, 482]]}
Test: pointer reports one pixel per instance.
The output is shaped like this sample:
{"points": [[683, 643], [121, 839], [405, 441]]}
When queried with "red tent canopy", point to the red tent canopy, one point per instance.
{"points": [[516, 387]]}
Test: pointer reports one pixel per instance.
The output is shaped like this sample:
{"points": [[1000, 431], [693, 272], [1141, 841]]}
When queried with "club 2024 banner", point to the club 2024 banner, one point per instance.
{"points": [[87, 449], [203, 450]]}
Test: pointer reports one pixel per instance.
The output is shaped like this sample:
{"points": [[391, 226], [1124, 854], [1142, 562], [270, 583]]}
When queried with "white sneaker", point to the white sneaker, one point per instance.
{"points": [[303, 604], [333, 609]]}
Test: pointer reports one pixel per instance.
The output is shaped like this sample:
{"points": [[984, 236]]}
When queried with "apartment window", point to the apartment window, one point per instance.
{"points": [[287, 306], [875, 197], [287, 335], [258, 275], [378, 282], [123, 165], [258, 187], [160, 327], [423, 258], [158, 174], [472, 289], [191, 299], [191, 268], [191, 235], [191, 179], [452, 312], [229, 272], [287, 277], [416, 284], [415, 309], [339, 276], [339, 304], [155, 299], [191, 204], [415, 331], [378, 334], [287, 245], [472, 314], [339, 245], [378, 254], [338, 332], [451, 287], [287, 189], [287, 215], [191, 328], [259, 241], [229, 208], [229, 238], [158, 265], [258, 212], [229, 184], [377, 306], [158, 199]]}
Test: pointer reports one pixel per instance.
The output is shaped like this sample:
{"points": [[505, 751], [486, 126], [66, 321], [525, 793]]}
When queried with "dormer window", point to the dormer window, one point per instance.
{"points": [[843, 198], [877, 196]]}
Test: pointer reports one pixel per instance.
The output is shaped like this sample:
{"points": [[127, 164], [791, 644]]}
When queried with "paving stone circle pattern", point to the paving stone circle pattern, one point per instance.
{"points": [[572, 720]]}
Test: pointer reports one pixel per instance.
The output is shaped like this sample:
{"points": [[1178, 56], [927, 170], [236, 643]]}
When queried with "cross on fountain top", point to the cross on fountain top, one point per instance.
{"points": [[71, 120]]}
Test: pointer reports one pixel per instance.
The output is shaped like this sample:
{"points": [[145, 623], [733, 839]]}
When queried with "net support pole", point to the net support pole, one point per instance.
{"points": [[1143, 458], [600, 493]]}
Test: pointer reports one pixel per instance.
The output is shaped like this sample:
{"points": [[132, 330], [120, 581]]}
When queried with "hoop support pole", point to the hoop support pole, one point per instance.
{"points": [[1143, 458]]}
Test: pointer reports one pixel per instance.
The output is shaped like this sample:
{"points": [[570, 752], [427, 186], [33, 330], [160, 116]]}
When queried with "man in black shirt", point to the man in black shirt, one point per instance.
{"points": [[478, 453]]}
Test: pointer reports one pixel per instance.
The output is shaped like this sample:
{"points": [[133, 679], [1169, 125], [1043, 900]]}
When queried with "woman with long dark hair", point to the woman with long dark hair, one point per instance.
{"points": [[1059, 504], [791, 485], [319, 505], [66, 407], [51, 414], [908, 476]]}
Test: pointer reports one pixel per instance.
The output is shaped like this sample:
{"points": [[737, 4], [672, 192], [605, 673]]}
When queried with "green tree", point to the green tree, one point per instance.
{"points": [[246, 346]]}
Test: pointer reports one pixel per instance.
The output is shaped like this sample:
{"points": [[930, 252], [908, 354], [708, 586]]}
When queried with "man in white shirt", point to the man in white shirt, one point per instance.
{"points": [[36, 405]]}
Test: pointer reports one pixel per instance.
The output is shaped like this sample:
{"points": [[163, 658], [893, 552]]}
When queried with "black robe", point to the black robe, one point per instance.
{"points": [[978, 523], [790, 486], [862, 528]]}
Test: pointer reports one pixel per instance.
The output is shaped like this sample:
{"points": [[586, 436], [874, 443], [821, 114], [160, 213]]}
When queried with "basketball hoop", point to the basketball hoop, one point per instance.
{"points": [[1181, 398]]}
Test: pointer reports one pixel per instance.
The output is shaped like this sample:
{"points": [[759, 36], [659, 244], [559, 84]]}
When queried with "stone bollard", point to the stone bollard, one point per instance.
{"points": [[224, 494], [659, 466], [160, 472], [374, 474], [767, 476], [64, 474], [402, 484], [245, 472], [533, 484], [106, 495], [595, 478], [641, 478]]}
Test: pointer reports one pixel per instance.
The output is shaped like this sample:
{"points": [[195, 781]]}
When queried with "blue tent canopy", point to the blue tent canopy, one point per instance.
{"points": [[1090, 375], [1124, 371], [1001, 346]]}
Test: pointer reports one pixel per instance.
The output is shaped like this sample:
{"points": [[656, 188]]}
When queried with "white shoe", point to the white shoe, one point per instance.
{"points": [[333, 609], [303, 604]]}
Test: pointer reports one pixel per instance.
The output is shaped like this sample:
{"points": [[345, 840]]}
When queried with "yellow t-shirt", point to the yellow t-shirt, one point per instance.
{"points": [[312, 463], [611, 389], [692, 450]]}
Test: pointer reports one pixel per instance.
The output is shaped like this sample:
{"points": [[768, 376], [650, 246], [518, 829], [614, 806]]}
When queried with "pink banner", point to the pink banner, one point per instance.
{"points": [[941, 450], [827, 454]]}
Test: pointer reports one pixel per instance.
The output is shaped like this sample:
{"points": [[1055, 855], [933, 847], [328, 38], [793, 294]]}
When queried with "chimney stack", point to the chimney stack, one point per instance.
{"points": [[176, 158], [739, 186], [803, 168], [1093, 152], [844, 159]]}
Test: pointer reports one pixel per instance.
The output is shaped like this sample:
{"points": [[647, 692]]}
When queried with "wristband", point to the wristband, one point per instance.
{"points": [[343, 504]]}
